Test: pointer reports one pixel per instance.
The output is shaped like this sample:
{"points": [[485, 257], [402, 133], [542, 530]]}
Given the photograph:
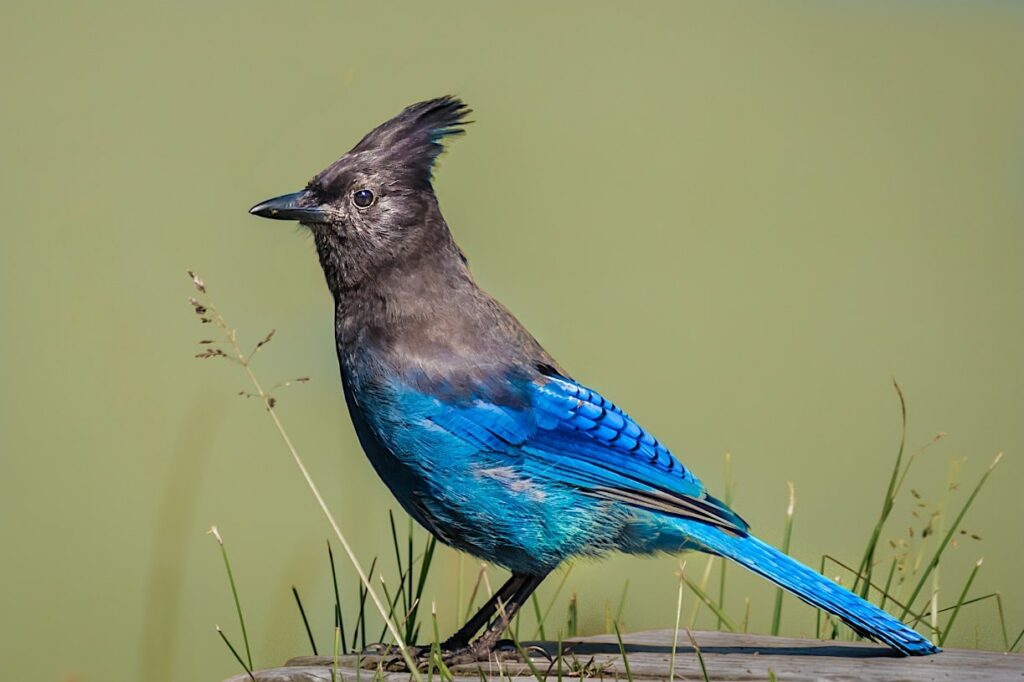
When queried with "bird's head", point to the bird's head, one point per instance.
{"points": [[376, 203]]}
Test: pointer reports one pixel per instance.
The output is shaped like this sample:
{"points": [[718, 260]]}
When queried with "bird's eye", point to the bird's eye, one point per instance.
{"points": [[362, 198]]}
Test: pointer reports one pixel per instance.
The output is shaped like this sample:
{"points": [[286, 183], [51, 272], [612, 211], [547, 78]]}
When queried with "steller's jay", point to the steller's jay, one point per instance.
{"points": [[479, 433]]}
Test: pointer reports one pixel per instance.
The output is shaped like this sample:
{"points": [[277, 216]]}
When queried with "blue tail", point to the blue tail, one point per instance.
{"points": [[866, 619]]}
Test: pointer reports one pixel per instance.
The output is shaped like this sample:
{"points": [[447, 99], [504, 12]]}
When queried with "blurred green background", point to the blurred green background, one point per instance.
{"points": [[739, 220]]}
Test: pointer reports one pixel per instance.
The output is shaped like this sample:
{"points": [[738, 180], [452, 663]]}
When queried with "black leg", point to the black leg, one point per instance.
{"points": [[507, 610], [461, 639]]}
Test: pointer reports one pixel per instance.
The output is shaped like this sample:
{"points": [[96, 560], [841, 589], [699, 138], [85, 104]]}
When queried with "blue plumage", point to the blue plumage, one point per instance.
{"points": [[476, 430]]}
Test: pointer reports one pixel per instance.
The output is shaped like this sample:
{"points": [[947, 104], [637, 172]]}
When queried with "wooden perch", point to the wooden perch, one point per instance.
{"points": [[728, 656]]}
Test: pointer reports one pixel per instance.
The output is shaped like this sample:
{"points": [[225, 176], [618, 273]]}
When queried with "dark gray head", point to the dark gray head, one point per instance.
{"points": [[375, 207]]}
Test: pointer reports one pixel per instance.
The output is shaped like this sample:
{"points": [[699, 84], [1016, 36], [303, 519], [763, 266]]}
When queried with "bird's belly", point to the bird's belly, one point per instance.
{"points": [[482, 503]]}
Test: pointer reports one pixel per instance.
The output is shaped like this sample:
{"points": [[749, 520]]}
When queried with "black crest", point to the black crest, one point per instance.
{"points": [[408, 143]]}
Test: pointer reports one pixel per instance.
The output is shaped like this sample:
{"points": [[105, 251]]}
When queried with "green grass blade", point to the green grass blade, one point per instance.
{"points": [[675, 631], [360, 629], [392, 602], [234, 652], [723, 565], [888, 584], [959, 602], [898, 604], [622, 602], [537, 675], [397, 552], [558, 658], [710, 603], [703, 585], [537, 614], [700, 656], [868, 560], [551, 604], [786, 537], [949, 536], [1010, 649], [622, 651], [337, 647], [234, 592], [1002, 620], [339, 619], [428, 557], [572, 617], [476, 589], [410, 602], [435, 647], [305, 621]]}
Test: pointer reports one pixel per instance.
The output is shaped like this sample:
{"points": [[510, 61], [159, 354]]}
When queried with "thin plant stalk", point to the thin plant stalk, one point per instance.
{"points": [[1013, 646], [700, 656], [248, 669], [421, 583], [360, 631], [622, 652], [551, 604], [537, 614], [339, 618], [622, 602], [337, 647], [716, 608], [334, 525], [269, 402], [558, 659], [895, 602], [703, 585], [573, 617], [868, 560], [305, 621], [519, 647], [234, 593], [786, 537], [888, 584], [933, 564], [391, 601], [476, 588], [722, 565], [675, 631], [959, 603], [435, 647], [409, 593], [1002, 620]]}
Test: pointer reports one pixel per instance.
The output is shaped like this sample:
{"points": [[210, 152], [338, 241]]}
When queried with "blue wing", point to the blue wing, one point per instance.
{"points": [[574, 436]]}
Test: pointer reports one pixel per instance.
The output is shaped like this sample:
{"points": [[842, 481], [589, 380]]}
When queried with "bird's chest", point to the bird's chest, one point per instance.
{"points": [[393, 420]]}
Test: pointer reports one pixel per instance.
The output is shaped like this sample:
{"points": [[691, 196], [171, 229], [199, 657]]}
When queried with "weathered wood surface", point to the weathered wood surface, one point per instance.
{"points": [[727, 656]]}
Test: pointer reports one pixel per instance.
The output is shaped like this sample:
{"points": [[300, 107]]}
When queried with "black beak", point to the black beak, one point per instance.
{"points": [[300, 206]]}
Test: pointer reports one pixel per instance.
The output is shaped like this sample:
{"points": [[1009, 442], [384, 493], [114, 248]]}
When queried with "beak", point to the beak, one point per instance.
{"points": [[300, 206]]}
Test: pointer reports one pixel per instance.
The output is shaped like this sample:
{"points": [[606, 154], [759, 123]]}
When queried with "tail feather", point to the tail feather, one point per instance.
{"points": [[866, 619]]}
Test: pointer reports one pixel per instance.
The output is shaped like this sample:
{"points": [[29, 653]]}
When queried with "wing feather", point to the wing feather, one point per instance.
{"points": [[575, 436]]}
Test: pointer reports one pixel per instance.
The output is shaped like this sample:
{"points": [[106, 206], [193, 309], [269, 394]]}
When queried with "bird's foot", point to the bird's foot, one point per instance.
{"points": [[504, 650], [391, 659]]}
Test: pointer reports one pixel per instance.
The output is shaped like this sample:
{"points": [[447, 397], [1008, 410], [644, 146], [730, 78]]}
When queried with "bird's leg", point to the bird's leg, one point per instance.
{"points": [[507, 610], [459, 648], [460, 640]]}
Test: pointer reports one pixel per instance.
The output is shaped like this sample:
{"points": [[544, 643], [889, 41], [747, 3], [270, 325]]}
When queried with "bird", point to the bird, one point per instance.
{"points": [[480, 435]]}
